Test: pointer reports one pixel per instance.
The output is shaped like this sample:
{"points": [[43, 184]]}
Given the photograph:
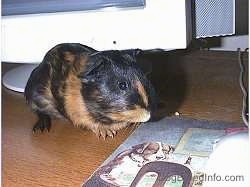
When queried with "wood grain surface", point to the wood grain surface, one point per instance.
{"points": [[198, 84]]}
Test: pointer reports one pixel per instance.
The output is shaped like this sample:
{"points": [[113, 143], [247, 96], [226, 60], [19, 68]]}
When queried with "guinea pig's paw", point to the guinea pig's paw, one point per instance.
{"points": [[103, 132], [41, 126]]}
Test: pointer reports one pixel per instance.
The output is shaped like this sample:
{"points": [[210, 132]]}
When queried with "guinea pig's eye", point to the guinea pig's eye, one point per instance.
{"points": [[123, 85]]}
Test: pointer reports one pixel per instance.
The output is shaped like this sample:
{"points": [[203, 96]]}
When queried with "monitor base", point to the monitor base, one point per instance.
{"points": [[16, 78]]}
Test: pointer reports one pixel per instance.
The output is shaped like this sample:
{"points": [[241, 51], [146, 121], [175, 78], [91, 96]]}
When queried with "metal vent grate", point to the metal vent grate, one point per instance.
{"points": [[214, 18]]}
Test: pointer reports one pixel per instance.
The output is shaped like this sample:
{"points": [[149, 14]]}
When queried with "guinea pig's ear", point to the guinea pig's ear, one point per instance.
{"points": [[95, 65], [131, 54], [136, 56]]}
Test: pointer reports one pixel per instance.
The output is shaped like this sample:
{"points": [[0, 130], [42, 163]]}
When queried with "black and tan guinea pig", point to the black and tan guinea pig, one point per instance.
{"points": [[103, 91]]}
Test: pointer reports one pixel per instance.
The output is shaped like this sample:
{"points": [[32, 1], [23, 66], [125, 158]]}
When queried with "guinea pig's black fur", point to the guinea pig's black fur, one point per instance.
{"points": [[103, 91]]}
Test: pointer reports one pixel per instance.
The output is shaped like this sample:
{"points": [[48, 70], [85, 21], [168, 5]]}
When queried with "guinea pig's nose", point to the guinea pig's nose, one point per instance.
{"points": [[146, 116]]}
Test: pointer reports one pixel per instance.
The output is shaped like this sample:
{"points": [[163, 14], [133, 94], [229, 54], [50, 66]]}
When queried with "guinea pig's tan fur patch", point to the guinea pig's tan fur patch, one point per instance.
{"points": [[77, 112], [142, 92], [69, 57], [74, 105], [135, 115], [78, 63]]}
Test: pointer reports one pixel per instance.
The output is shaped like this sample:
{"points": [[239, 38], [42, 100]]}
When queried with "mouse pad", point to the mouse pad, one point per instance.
{"points": [[124, 168], [199, 142], [184, 143]]}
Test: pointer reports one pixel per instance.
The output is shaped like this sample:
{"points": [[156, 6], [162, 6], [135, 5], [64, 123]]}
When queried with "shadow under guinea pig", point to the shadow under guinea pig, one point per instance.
{"points": [[167, 74]]}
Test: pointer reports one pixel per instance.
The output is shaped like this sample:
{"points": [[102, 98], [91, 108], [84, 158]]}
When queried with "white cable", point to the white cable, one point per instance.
{"points": [[243, 112]]}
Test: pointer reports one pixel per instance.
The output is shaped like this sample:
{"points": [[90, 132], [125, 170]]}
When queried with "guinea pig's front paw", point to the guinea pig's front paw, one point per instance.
{"points": [[43, 124], [102, 131]]}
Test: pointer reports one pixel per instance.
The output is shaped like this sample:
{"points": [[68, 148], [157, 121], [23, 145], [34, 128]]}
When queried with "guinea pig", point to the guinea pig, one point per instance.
{"points": [[103, 91]]}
